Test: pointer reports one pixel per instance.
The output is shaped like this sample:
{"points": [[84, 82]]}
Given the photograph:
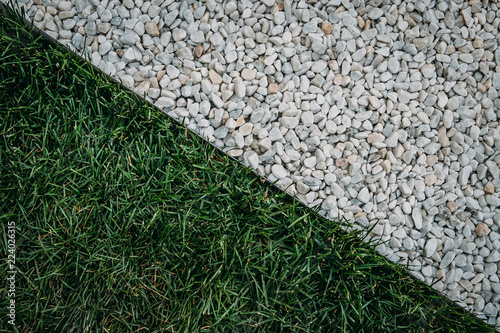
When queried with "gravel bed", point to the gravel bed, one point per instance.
{"points": [[384, 112]]}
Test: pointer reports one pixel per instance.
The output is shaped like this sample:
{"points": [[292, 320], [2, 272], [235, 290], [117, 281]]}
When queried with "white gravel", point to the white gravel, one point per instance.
{"points": [[382, 112]]}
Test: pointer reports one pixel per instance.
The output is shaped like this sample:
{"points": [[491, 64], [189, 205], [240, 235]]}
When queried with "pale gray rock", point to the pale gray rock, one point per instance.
{"points": [[216, 39], [288, 10], [65, 5], [69, 24], [178, 34], [239, 88], [127, 80], [490, 310], [216, 100], [164, 58], [447, 118], [405, 189], [493, 169], [106, 16], [198, 37], [359, 55], [91, 28], [307, 118], [493, 257], [416, 216], [364, 195], [279, 171], [393, 65], [337, 191], [329, 203], [447, 259], [251, 159], [170, 17], [105, 47], [129, 39], [403, 96], [165, 102], [392, 140], [310, 162], [279, 18], [289, 122], [310, 27], [318, 47], [104, 28], [275, 134], [430, 247], [375, 13], [453, 103], [185, 53], [129, 55], [172, 72], [231, 57], [140, 76]]}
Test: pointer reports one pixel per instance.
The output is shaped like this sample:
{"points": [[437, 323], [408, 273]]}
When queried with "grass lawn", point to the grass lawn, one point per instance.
{"points": [[127, 222]]}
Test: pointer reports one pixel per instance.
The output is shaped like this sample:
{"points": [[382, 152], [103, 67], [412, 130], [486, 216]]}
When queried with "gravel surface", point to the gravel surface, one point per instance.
{"points": [[384, 112]]}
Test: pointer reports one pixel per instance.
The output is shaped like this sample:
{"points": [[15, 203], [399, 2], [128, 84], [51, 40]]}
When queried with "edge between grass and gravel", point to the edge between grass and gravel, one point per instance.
{"points": [[127, 222]]}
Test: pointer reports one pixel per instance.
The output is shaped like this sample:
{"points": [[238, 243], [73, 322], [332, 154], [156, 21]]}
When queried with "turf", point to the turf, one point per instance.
{"points": [[127, 222]]}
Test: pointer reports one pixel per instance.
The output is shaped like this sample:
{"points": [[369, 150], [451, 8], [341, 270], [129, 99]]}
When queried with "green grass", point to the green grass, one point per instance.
{"points": [[127, 222]]}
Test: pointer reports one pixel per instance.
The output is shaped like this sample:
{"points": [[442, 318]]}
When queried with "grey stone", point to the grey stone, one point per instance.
{"points": [[364, 195], [105, 47], [447, 259], [289, 122], [430, 247], [375, 13], [106, 16], [318, 47], [165, 102], [279, 171], [198, 37], [490, 310], [493, 257], [275, 134]]}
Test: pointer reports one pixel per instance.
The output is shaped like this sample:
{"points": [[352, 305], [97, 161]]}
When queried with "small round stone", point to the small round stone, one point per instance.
{"points": [[272, 88], [341, 162], [482, 230], [477, 43], [198, 51], [489, 188], [248, 74], [327, 28], [452, 206], [430, 180]]}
